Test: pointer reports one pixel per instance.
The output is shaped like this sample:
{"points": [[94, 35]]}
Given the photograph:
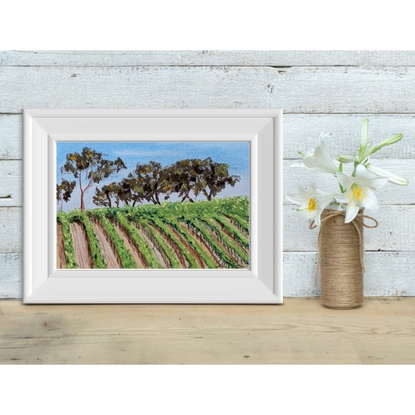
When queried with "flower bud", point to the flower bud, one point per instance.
{"points": [[365, 128], [346, 159], [392, 178], [392, 140]]}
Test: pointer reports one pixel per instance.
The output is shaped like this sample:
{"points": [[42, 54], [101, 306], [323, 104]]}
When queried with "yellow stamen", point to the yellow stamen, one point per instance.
{"points": [[358, 193], [312, 204]]}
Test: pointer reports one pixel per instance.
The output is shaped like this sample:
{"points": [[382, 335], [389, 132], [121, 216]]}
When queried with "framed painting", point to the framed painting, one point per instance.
{"points": [[152, 206]]}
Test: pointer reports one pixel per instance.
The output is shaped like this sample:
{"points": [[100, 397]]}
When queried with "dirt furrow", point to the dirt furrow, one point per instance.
{"points": [[205, 246], [173, 246], [235, 258], [231, 237], [60, 249], [81, 246], [135, 253], [159, 256], [111, 256], [187, 246], [235, 224]]}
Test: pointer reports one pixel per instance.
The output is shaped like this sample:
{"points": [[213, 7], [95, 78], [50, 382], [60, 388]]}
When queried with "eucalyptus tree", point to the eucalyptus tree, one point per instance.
{"points": [[64, 192], [191, 177], [149, 182], [90, 167], [215, 178], [113, 194]]}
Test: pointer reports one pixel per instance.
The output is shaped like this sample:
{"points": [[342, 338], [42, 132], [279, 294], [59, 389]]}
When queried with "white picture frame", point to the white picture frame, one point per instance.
{"points": [[260, 284]]}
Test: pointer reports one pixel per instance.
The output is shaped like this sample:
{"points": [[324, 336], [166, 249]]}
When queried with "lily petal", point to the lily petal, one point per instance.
{"points": [[297, 199], [365, 180], [306, 193], [371, 201], [322, 154], [325, 201], [309, 152], [377, 182], [351, 211], [314, 164], [342, 198], [344, 180], [362, 172], [317, 219], [322, 137]]}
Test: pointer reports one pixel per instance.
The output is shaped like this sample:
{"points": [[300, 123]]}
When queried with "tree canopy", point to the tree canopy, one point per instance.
{"points": [[148, 182], [64, 191], [120, 192], [90, 167]]}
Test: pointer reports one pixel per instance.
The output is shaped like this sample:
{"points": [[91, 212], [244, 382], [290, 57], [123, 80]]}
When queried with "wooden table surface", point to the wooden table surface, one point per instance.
{"points": [[300, 331]]}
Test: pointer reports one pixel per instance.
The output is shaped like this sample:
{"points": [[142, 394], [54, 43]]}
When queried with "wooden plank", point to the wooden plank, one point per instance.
{"points": [[11, 275], [301, 131], [296, 90], [395, 231], [300, 331], [11, 135], [11, 181], [208, 57], [11, 187], [387, 274], [11, 229]]}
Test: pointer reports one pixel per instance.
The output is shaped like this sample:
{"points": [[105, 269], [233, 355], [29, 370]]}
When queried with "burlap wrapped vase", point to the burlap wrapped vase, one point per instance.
{"points": [[341, 258]]}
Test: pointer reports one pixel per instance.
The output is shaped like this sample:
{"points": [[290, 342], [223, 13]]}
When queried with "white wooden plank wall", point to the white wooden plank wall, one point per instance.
{"points": [[318, 90]]}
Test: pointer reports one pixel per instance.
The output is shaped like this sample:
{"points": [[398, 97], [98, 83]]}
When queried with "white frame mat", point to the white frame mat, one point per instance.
{"points": [[44, 283]]}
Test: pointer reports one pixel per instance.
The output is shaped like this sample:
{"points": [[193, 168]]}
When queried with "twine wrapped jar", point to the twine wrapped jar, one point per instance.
{"points": [[340, 258]]}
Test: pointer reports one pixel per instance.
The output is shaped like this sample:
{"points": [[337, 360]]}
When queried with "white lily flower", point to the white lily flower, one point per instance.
{"points": [[320, 159], [310, 151], [359, 191], [392, 178], [312, 202]]}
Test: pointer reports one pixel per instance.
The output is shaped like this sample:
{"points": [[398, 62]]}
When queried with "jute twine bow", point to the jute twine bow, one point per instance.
{"points": [[358, 223]]}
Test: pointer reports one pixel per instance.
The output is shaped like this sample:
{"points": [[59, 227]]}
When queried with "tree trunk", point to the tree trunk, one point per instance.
{"points": [[82, 201], [157, 198]]}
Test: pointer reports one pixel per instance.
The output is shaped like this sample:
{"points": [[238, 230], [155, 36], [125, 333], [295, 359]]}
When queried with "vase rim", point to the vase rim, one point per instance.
{"points": [[335, 207], [340, 208]]}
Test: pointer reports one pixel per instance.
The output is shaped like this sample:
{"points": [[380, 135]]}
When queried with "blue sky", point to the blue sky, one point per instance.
{"points": [[235, 154]]}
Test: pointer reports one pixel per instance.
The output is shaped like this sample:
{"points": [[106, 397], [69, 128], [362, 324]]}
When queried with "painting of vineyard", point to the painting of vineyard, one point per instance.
{"points": [[174, 213]]}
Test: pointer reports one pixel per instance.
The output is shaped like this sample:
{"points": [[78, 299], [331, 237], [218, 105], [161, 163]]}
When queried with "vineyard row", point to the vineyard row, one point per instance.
{"points": [[112, 238]]}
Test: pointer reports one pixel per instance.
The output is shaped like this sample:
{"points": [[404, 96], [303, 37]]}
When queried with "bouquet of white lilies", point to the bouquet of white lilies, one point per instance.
{"points": [[356, 190]]}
